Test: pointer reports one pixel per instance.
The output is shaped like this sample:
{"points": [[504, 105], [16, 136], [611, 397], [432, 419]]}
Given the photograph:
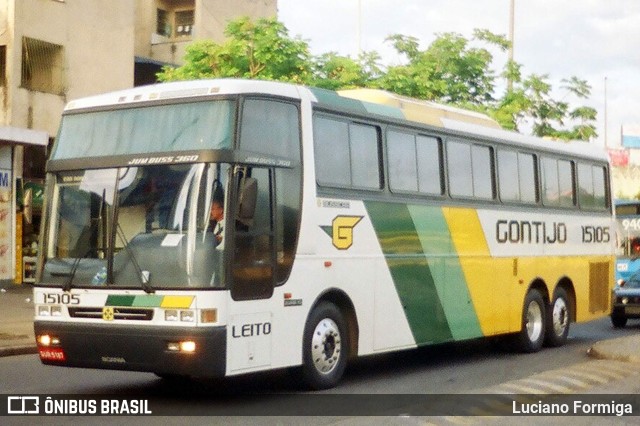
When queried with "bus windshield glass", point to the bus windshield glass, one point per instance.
{"points": [[628, 222], [145, 130], [134, 227]]}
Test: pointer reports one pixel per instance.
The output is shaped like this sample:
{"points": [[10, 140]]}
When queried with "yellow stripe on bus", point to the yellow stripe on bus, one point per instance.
{"points": [[488, 279], [178, 302]]}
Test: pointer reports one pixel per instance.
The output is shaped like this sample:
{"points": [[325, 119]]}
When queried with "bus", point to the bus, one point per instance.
{"points": [[355, 223], [628, 232]]}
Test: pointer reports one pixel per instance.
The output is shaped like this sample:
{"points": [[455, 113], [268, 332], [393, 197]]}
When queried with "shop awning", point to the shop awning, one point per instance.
{"points": [[17, 135]]}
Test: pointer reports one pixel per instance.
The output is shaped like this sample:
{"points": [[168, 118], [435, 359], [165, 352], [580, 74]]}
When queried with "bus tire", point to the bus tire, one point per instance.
{"points": [[531, 336], [326, 350], [558, 319]]}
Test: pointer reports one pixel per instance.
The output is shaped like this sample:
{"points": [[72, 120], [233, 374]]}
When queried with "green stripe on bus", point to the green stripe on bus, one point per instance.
{"points": [[147, 301], [410, 271], [435, 238], [140, 301], [119, 300], [334, 100]]}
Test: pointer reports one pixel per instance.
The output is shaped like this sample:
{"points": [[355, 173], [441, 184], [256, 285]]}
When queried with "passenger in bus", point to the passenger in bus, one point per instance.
{"points": [[216, 218]]}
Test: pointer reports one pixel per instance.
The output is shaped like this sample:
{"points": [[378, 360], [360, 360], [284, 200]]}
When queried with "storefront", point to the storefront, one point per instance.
{"points": [[16, 259]]}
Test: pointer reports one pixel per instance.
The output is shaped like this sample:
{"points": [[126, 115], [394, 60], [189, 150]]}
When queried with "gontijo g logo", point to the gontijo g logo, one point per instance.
{"points": [[341, 231]]}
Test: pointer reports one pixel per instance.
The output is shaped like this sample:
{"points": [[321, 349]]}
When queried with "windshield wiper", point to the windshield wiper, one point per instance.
{"points": [[144, 282], [71, 274]]}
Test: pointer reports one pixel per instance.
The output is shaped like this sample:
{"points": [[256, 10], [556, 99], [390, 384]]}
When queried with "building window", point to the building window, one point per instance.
{"points": [[175, 20], [184, 23], [3, 66], [42, 66], [163, 27]]}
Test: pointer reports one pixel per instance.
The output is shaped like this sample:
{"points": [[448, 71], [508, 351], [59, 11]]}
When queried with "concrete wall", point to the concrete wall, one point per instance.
{"points": [[100, 39], [211, 18], [97, 40]]}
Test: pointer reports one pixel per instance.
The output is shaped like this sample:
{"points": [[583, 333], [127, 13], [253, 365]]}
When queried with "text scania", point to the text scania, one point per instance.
{"points": [[530, 232]]}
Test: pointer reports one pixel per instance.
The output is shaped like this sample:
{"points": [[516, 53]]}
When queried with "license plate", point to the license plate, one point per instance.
{"points": [[51, 354]]}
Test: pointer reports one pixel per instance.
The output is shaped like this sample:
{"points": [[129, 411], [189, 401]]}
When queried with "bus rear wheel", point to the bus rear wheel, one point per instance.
{"points": [[531, 336], [558, 319], [325, 351]]}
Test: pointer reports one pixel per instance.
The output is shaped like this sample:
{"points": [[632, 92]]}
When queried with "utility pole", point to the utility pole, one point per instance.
{"points": [[359, 28], [511, 38], [606, 141]]}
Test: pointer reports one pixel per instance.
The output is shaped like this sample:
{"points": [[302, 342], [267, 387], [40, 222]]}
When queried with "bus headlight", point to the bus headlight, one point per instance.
{"points": [[47, 340], [49, 310], [186, 346], [625, 300], [187, 316], [182, 315]]}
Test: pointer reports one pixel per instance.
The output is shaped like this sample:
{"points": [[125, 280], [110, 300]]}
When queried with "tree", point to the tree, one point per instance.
{"points": [[261, 49], [452, 70], [332, 71]]}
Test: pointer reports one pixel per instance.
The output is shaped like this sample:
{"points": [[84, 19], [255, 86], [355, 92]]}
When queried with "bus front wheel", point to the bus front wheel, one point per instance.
{"points": [[558, 319], [531, 337], [326, 349]]}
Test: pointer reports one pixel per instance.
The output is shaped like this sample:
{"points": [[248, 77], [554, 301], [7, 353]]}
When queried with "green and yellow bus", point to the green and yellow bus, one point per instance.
{"points": [[355, 223]]}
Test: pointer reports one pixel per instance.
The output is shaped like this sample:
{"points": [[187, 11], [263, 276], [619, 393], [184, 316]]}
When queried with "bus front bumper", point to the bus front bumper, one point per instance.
{"points": [[135, 348]]}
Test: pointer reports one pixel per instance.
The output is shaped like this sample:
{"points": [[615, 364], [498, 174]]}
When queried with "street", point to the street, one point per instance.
{"points": [[446, 369]]}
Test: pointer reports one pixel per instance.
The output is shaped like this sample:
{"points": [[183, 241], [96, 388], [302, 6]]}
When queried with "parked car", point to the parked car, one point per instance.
{"points": [[626, 300]]}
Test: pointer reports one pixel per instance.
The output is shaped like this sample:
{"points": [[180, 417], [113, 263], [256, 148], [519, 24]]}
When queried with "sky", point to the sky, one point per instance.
{"points": [[594, 40]]}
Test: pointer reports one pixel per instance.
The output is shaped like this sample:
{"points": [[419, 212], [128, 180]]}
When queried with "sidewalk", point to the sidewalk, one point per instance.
{"points": [[17, 312], [16, 320]]}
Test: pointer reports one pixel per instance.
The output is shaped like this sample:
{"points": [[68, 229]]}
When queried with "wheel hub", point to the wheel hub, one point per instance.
{"points": [[560, 317], [534, 321], [326, 346]]}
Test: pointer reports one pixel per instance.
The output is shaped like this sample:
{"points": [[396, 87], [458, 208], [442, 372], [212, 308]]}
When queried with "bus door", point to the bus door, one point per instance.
{"points": [[251, 269]]}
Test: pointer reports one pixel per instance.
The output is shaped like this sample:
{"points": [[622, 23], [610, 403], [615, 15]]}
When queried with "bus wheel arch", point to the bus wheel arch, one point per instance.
{"points": [[329, 340], [560, 313], [340, 299]]}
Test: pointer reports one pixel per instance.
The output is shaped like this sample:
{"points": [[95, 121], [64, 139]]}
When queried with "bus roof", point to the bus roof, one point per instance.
{"points": [[362, 101], [418, 110]]}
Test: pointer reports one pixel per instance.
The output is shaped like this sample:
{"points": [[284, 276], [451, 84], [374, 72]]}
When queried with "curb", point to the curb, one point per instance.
{"points": [[18, 350], [615, 349]]}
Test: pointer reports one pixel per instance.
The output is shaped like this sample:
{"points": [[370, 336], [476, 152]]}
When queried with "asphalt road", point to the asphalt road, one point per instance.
{"points": [[446, 369]]}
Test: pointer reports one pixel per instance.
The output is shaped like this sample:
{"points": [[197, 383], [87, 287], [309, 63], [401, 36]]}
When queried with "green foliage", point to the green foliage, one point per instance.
{"points": [[261, 49], [452, 70]]}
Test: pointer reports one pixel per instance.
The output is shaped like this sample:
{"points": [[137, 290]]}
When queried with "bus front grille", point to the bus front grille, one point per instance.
{"points": [[139, 314]]}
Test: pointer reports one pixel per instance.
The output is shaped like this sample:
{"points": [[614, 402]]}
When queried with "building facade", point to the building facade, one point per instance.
{"points": [[52, 51]]}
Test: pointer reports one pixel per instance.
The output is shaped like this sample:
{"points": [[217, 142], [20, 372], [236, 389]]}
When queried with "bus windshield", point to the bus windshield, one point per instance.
{"points": [[145, 130], [148, 227], [628, 223]]}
